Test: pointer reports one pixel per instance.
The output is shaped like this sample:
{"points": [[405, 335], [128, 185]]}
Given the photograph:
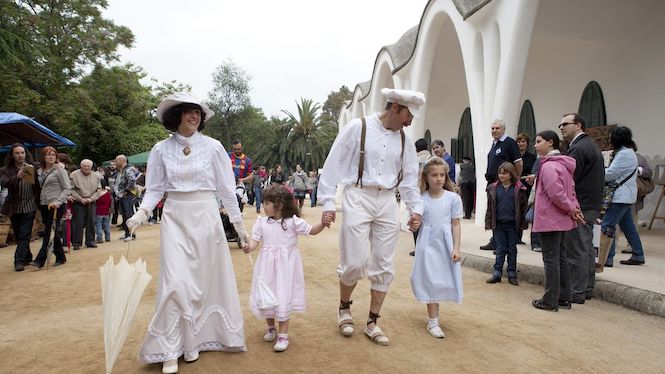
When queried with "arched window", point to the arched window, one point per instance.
{"points": [[592, 105], [465, 137], [527, 123], [428, 139]]}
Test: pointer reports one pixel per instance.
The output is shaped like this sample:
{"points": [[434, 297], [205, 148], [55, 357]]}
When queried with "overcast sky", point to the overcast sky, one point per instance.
{"points": [[290, 48]]}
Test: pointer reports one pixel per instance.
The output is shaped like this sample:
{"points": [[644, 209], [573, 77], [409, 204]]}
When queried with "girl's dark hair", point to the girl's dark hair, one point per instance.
{"points": [[548, 135], [9, 160], [283, 200], [172, 117], [621, 137]]}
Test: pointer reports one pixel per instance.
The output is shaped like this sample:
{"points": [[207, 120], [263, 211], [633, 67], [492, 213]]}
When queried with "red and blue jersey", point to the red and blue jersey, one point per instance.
{"points": [[242, 165]]}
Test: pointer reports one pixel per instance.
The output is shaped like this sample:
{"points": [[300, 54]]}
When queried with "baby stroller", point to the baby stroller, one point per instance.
{"points": [[231, 234]]}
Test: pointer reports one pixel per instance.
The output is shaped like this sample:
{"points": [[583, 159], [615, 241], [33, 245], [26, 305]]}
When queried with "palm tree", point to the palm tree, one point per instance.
{"points": [[309, 139]]}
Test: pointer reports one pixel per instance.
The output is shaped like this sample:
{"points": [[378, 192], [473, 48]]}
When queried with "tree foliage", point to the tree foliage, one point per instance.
{"points": [[308, 138], [333, 104], [228, 97]]}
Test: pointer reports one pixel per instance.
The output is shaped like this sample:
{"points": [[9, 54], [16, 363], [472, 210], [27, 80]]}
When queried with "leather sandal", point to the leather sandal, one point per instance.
{"points": [[376, 335], [344, 319]]}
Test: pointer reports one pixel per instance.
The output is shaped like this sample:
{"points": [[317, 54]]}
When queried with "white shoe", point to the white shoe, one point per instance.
{"points": [[281, 345], [191, 357], [270, 335], [170, 367], [436, 332], [345, 322], [128, 238]]}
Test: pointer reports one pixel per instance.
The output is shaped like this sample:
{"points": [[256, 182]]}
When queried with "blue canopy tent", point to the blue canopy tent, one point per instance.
{"points": [[17, 128]]}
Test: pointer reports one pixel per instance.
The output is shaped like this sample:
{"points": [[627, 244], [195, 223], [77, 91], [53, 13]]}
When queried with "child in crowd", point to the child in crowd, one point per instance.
{"points": [[103, 214], [279, 264], [506, 207], [437, 272]]}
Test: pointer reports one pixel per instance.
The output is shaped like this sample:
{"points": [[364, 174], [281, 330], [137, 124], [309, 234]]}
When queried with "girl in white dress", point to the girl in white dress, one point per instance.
{"points": [[279, 264], [437, 272], [197, 307]]}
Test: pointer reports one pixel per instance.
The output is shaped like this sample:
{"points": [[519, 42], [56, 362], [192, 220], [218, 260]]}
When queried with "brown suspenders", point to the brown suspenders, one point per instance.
{"points": [[361, 164]]}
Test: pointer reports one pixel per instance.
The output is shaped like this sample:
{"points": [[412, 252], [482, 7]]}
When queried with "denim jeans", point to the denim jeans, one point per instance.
{"points": [[127, 211], [258, 194], [506, 245], [622, 215], [103, 225]]}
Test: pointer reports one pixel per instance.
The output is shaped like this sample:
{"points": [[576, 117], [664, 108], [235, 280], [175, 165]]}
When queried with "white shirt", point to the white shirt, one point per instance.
{"points": [[206, 168], [382, 163]]}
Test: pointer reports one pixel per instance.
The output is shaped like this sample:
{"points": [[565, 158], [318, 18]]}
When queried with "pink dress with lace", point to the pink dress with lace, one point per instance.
{"points": [[279, 265]]}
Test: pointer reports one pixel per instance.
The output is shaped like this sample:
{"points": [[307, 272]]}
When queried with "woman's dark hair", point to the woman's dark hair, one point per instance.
{"points": [[621, 137], [9, 160], [172, 117], [283, 199], [548, 135]]}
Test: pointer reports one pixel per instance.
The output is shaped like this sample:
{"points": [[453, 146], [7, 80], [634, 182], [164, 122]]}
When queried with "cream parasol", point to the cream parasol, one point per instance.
{"points": [[122, 287]]}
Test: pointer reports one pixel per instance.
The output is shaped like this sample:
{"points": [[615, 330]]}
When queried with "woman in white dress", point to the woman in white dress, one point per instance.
{"points": [[437, 272], [197, 305]]}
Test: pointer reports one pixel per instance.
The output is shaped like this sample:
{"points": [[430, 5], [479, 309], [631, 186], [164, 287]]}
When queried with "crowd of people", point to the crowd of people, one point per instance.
{"points": [[197, 307], [563, 191]]}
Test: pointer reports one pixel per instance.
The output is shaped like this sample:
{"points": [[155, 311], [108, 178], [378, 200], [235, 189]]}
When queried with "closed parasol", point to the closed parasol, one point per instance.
{"points": [[122, 288]]}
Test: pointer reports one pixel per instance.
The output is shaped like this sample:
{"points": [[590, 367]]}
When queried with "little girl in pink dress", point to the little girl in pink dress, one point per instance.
{"points": [[279, 265]]}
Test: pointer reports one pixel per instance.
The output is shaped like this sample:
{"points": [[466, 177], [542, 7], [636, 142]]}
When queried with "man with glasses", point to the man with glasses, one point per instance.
{"points": [[504, 149], [372, 157], [589, 179]]}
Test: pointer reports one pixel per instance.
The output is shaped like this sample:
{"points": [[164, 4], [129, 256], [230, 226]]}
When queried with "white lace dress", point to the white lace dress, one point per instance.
{"points": [[197, 307]]}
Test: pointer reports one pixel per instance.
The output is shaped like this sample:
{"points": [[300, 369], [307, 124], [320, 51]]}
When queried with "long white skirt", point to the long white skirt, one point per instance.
{"points": [[197, 306]]}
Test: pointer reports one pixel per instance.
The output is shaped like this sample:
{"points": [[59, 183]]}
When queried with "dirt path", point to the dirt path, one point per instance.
{"points": [[51, 323]]}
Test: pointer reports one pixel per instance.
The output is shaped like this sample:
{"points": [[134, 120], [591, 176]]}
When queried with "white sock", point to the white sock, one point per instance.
{"points": [[283, 336], [433, 322]]}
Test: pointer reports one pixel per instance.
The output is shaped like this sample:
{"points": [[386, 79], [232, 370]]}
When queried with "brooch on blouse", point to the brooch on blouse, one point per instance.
{"points": [[186, 150]]}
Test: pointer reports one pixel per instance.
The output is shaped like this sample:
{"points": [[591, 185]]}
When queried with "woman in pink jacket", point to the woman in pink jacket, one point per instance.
{"points": [[556, 211]]}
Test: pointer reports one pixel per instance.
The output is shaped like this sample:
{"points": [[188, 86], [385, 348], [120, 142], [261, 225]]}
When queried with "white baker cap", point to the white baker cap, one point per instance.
{"points": [[180, 98], [410, 99]]}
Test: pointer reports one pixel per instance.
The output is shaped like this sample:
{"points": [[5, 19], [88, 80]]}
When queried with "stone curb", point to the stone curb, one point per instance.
{"points": [[644, 301]]}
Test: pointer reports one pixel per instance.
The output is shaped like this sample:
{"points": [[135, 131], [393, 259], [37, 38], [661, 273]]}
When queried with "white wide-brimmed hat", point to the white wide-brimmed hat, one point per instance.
{"points": [[410, 99], [180, 98]]}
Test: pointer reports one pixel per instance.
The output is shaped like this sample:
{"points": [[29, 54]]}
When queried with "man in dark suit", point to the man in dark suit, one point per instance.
{"points": [[589, 180]]}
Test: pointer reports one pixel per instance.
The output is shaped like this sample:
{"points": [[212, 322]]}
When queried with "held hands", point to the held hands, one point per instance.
{"points": [[137, 219], [415, 222], [327, 218], [530, 179]]}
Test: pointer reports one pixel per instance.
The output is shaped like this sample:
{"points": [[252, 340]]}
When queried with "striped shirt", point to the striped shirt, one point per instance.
{"points": [[26, 198]]}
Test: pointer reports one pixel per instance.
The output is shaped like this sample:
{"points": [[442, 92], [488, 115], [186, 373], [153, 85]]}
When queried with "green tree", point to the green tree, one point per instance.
{"points": [[308, 138], [118, 117], [229, 96], [333, 104], [45, 47]]}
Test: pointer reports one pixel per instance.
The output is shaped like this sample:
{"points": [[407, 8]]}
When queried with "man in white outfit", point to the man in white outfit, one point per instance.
{"points": [[370, 209]]}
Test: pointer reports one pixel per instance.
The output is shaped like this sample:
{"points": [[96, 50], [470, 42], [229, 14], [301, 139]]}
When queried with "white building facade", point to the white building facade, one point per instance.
{"points": [[527, 62]]}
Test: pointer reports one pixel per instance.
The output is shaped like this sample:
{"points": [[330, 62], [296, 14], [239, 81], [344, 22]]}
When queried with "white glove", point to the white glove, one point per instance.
{"points": [[137, 219], [242, 233]]}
